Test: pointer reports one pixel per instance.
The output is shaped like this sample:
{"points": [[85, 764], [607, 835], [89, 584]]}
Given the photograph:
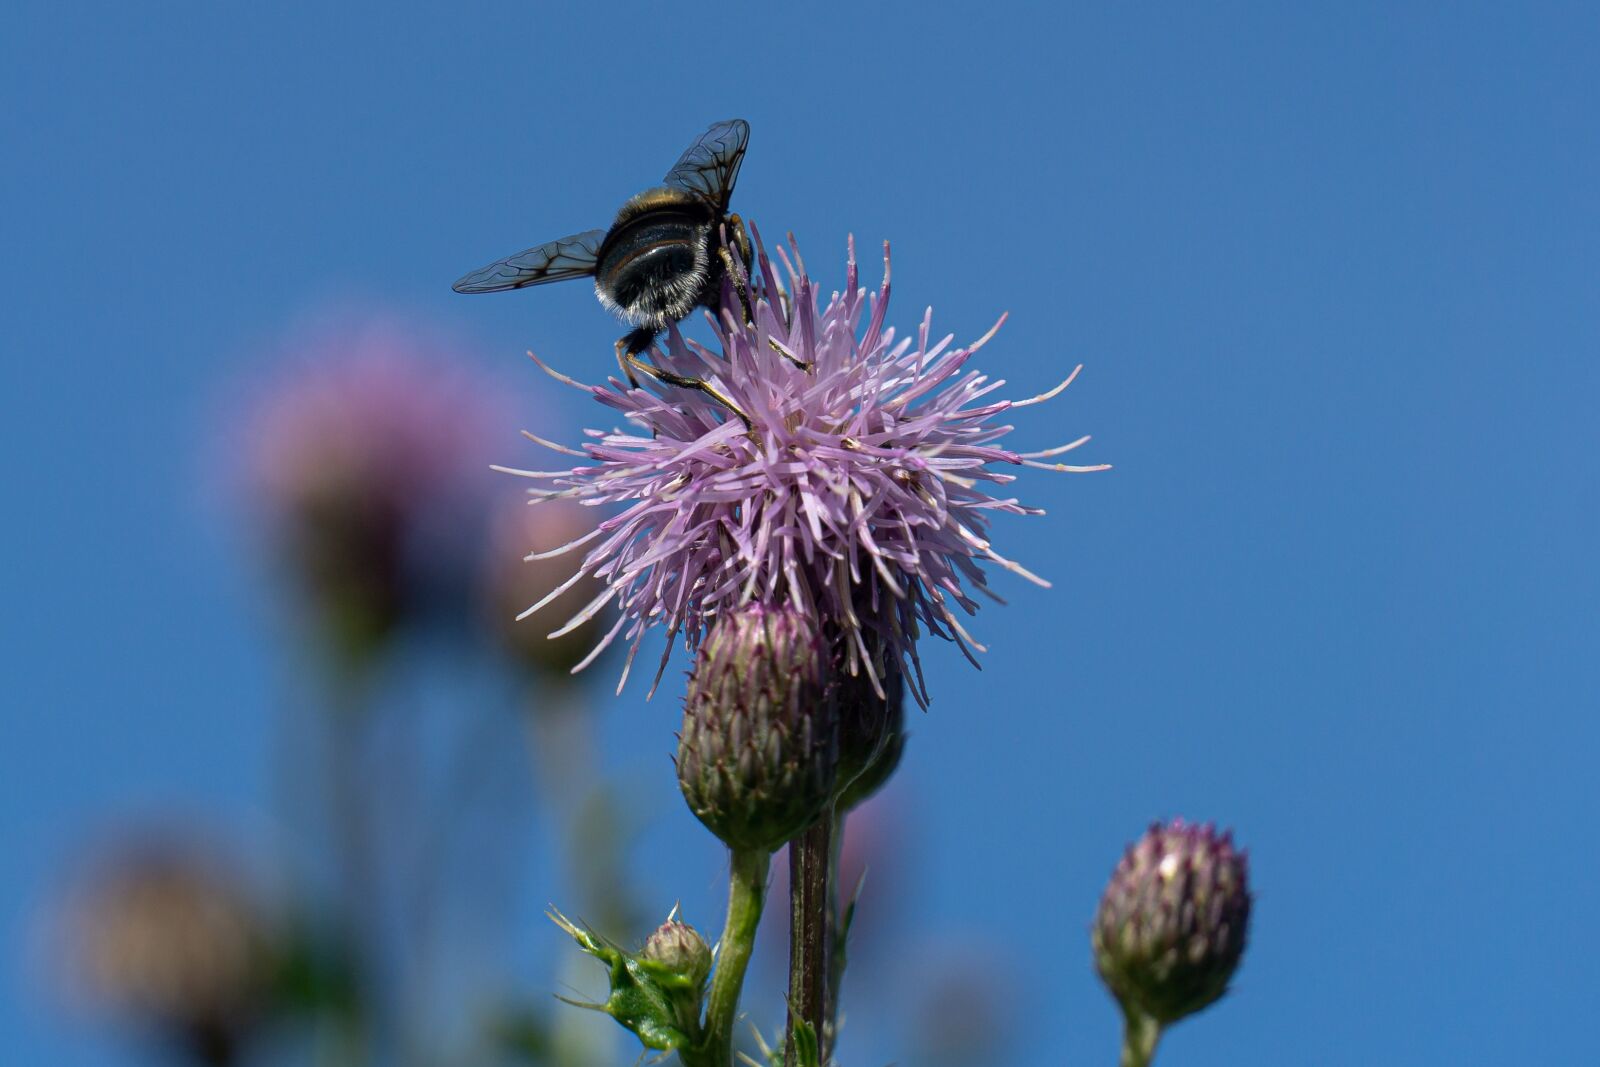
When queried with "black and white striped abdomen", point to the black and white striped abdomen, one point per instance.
{"points": [[654, 268]]}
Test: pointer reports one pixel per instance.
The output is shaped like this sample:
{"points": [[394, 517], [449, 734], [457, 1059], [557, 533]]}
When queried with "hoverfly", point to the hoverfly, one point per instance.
{"points": [[661, 258]]}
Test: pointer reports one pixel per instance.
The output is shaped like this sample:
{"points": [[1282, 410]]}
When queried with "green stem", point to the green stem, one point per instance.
{"points": [[1139, 1036], [349, 705], [747, 890], [810, 857]]}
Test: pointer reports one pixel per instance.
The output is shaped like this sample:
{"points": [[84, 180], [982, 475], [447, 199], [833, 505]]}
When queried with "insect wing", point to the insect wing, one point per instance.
{"points": [[711, 164], [570, 257]]}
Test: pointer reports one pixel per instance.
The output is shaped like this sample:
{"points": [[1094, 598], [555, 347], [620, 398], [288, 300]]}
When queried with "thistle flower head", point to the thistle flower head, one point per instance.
{"points": [[845, 470], [758, 754], [1172, 923]]}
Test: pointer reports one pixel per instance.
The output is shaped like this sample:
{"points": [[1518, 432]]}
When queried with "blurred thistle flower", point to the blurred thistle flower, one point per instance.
{"points": [[373, 445], [859, 492], [517, 573], [162, 934], [758, 754], [1172, 924]]}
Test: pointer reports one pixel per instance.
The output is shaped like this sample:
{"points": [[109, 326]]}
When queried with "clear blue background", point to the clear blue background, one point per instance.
{"points": [[1335, 279]]}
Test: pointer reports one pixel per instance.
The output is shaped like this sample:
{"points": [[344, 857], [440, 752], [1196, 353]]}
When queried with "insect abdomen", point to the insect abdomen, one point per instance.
{"points": [[654, 267]]}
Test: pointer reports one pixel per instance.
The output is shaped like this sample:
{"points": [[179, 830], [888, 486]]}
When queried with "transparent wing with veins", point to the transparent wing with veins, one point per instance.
{"points": [[570, 257], [711, 164]]}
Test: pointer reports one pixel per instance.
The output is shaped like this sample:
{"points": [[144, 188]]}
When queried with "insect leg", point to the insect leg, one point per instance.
{"points": [[682, 382], [622, 362], [630, 345], [798, 362], [741, 285], [742, 240]]}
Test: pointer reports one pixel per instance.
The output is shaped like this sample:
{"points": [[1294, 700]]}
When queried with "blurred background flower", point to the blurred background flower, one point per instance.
{"points": [[368, 469], [164, 934], [512, 582], [416, 697]]}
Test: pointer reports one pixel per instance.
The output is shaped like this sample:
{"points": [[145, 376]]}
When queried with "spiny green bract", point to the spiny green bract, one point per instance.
{"points": [[658, 999]]}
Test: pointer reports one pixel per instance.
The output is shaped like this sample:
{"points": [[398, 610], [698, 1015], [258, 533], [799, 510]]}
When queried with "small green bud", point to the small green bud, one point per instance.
{"points": [[678, 959], [679, 949], [758, 755], [657, 992], [1172, 924]]}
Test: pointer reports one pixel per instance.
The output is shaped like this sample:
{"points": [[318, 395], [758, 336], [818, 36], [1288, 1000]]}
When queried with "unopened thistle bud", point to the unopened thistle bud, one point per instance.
{"points": [[1172, 923], [656, 992], [678, 947], [872, 735], [758, 755]]}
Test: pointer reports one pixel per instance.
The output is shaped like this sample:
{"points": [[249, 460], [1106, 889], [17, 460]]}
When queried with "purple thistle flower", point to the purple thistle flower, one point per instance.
{"points": [[372, 407], [860, 491]]}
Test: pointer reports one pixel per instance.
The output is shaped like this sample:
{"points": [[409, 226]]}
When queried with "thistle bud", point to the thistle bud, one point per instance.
{"points": [[872, 735], [1172, 923], [758, 755], [656, 992], [678, 947]]}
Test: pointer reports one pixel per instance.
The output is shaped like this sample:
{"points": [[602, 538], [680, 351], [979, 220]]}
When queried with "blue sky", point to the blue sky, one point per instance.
{"points": [[1334, 276]]}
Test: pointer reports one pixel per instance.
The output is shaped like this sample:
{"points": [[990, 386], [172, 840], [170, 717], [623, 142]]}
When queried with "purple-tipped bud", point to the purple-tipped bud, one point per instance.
{"points": [[758, 756], [1172, 923], [679, 948]]}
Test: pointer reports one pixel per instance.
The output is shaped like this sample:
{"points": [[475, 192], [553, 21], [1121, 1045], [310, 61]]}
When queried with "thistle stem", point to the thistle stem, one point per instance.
{"points": [[810, 856], [349, 704], [838, 931], [747, 890], [1139, 1036]]}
